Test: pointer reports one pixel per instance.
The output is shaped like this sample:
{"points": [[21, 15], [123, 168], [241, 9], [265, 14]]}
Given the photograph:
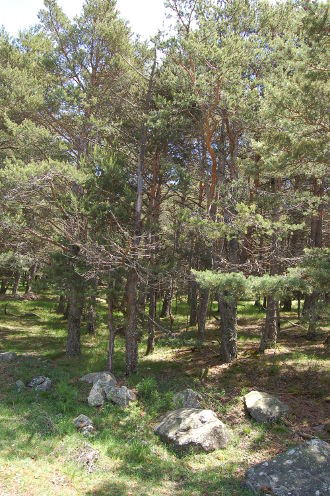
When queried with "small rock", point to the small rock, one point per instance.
{"points": [[264, 407], [120, 395], [84, 424], [40, 383], [301, 471], [93, 377], [20, 385], [97, 395], [188, 398], [192, 427], [8, 356]]}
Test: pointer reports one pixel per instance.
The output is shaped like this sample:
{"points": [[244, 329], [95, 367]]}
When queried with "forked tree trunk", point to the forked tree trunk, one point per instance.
{"points": [[76, 303], [151, 325], [270, 328], [16, 283], [228, 329], [204, 294], [193, 303], [111, 330]]}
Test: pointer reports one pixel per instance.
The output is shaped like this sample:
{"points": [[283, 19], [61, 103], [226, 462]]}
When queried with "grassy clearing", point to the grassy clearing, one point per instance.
{"points": [[42, 454]]}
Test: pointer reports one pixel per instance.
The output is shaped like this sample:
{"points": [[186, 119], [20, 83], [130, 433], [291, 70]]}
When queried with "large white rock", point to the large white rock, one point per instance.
{"points": [[192, 427], [93, 377], [300, 471], [97, 396], [264, 407]]}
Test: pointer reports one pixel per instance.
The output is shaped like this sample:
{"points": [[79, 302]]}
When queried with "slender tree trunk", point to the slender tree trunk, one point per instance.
{"points": [[167, 302], [3, 288], [30, 278], [204, 294], [61, 304], [111, 330], [131, 323], [151, 325], [91, 314], [299, 306], [76, 303], [307, 305], [312, 316], [270, 328], [16, 283], [228, 329], [193, 303]]}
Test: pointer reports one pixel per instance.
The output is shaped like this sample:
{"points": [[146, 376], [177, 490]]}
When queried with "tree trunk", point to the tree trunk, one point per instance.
{"points": [[76, 303], [204, 294], [312, 316], [193, 303], [131, 324], [228, 329], [16, 283], [287, 305], [270, 328], [151, 325], [111, 335], [91, 314], [3, 288], [30, 278], [167, 303], [307, 305], [61, 304], [299, 305]]}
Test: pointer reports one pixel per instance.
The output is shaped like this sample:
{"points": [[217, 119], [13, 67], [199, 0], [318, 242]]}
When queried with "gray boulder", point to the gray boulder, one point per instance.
{"points": [[40, 383], [97, 394], [93, 377], [300, 471], [7, 356], [188, 398], [120, 395], [84, 424], [191, 427], [264, 407]]}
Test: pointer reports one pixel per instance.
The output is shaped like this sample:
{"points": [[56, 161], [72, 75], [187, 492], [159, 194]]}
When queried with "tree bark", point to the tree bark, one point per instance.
{"points": [[16, 283], [91, 314], [3, 288], [131, 323], [111, 330], [30, 278], [76, 303], [61, 304], [287, 305], [151, 325], [228, 329], [193, 303], [270, 328], [204, 294], [167, 302]]}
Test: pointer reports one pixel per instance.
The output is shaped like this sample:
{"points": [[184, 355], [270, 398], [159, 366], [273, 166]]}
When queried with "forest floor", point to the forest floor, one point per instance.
{"points": [[41, 453]]}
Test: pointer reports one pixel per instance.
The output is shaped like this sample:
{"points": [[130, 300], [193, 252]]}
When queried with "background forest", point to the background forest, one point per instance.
{"points": [[163, 213]]}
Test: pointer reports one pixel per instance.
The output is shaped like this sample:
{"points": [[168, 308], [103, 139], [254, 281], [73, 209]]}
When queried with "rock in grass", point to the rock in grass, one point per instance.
{"points": [[20, 385], [188, 398], [93, 377], [97, 394], [192, 427], [7, 356], [40, 383], [84, 424], [300, 471], [264, 407], [120, 395]]}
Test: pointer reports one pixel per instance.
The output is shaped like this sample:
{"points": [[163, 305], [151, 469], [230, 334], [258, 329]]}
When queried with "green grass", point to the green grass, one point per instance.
{"points": [[39, 444]]}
